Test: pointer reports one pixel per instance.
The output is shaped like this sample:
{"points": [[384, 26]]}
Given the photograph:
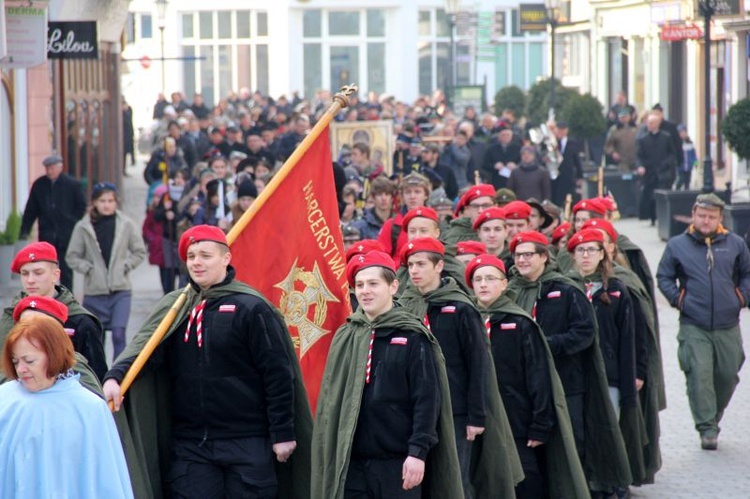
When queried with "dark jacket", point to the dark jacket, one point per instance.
{"points": [[403, 384], [370, 225], [523, 376], [656, 153], [569, 171], [460, 331], [708, 295], [58, 206], [617, 338], [530, 181], [457, 159], [565, 316], [497, 153], [239, 383]]}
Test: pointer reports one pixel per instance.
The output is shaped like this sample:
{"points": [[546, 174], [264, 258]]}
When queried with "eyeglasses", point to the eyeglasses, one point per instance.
{"points": [[587, 251], [526, 255], [481, 206], [490, 279]]}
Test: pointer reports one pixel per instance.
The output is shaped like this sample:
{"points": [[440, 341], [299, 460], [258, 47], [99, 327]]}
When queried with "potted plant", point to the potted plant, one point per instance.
{"points": [[735, 127]]}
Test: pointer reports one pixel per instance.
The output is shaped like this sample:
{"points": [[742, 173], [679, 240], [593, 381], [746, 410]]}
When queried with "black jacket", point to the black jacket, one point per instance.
{"points": [[460, 331], [86, 336], [58, 206], [569, 171], [403, 388], [617, 338], [655, 152], [498, 153], [239, 383], [566, 317], [523, 376]]}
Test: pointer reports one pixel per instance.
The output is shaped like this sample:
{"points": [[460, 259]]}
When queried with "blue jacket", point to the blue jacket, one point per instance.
{"points": [[369, 225], [708, 295]]}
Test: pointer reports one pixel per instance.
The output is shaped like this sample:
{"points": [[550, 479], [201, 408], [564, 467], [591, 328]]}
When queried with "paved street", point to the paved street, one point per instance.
{"points": [[688, 472]]}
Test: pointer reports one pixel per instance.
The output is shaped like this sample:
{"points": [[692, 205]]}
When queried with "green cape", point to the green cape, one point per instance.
{"points": [[649, 398], [605, 459], [639, 266], [565, 475], [88, 378], [145, 422], [340, 400], [459, 230], [495, 465]]}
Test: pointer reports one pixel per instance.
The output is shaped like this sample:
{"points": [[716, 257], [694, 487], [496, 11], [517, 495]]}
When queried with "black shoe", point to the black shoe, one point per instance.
{"points": [[709, 442]]}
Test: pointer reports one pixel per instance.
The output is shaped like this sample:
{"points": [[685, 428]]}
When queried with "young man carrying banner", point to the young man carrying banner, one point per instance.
{"points": [[228, 370]]}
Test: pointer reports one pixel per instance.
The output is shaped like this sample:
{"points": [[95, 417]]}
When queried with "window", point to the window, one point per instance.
{"points": [[344, 46], [231, 57], [434, 51], [130, 28], [146, 26], [187, 26]]}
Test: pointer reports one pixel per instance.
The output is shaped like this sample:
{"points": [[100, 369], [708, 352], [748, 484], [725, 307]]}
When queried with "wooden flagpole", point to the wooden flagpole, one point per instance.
{"points": [[340, 101]]}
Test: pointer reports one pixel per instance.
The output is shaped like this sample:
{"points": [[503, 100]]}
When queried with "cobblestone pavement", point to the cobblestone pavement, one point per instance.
{"points": [[687, 471]]}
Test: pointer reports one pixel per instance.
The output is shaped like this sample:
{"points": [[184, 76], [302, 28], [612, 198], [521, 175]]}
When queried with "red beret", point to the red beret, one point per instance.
{"points": [[422, 211], [34, 252], [493, 213], [608, 203], [560, 232], [362, 261], [584, 236], [527, 237], [471, 248], [593, 205], [484, 260], [200, 233], [44, 304], [476, 191], [517, 210], [601, 224], [362, 247], [420, 244]]}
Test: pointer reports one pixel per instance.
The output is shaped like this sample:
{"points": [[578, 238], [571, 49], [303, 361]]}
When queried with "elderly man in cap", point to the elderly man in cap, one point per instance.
{"points": [[228, 375], [705, 273], [56, 200]]}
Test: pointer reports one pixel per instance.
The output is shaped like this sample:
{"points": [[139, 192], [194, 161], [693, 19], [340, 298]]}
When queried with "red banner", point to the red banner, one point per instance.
{"points": [[292, 252]]}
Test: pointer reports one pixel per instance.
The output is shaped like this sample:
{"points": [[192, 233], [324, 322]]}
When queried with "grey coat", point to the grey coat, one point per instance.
{"points": [[84, 256]]}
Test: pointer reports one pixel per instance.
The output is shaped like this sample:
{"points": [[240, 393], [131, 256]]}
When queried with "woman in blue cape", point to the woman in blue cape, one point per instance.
{"points": [[57, 439]]}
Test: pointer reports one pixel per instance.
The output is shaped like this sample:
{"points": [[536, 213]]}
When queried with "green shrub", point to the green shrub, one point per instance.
{"points": [[512, 98], [735, 127], [585, 116]]}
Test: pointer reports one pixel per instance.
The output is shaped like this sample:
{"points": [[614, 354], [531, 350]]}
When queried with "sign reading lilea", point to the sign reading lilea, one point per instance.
{"points": [[72, 40]]}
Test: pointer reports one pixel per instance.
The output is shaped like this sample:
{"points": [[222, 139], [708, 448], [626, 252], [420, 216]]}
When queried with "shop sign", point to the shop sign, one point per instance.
{"points": [[24, 28], [72, 40], [532, 16], [681, 32]]}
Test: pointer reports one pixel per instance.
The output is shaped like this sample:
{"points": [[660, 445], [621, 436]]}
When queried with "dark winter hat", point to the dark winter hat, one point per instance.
{"points": [[247, 188]]}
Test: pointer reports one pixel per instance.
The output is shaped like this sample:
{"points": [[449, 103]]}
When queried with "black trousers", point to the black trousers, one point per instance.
{"points": [[463, 448], [534, 484], [66, 273], [378, 479], [575, 410], [227, 468]]}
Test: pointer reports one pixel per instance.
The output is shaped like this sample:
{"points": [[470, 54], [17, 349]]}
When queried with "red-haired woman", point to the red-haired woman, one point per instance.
{"points": [[57, 439]]}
